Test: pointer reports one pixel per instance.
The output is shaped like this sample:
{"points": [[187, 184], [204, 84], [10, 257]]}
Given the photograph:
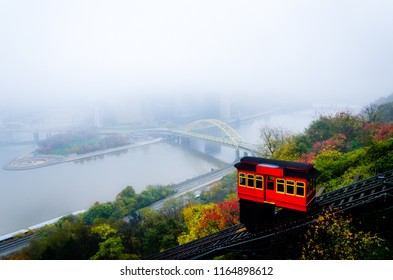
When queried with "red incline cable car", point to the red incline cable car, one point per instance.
{"points": [[266, 183]]}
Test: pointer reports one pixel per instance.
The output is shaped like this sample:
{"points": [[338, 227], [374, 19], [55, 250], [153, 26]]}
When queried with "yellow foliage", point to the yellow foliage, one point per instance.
{"points": [[202, 220], [287, 151], [103, 231], [333, 237]]}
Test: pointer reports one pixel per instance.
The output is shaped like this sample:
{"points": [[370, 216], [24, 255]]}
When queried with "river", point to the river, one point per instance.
{"points": [[33, 196]]}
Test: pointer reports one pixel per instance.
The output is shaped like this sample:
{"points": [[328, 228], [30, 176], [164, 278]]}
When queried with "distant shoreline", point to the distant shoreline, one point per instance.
{"points": [[34, 160]]}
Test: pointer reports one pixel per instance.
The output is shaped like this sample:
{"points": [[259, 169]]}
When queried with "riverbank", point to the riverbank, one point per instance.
{"points": [[34, 160]]}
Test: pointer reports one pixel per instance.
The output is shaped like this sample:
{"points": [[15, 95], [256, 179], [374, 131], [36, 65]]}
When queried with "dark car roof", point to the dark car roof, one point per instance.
{"points": [[291, 169]]}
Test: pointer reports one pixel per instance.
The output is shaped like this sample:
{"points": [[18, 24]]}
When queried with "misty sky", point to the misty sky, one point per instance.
{"points": [[88, 50]]}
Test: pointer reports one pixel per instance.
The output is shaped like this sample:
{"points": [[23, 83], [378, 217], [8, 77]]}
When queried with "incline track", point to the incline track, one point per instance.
{"points": [[355, 197]]}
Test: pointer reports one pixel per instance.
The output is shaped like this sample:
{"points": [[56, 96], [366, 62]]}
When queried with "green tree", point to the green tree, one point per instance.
{"points": [[125, 203], [152, 194], [64, 240], [381, 156], [110, 249], [220, 190], [98, 211], [127, 192], [159, 231], [384, 113]]}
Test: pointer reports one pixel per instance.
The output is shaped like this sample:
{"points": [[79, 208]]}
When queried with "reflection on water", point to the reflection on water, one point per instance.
{"points": [[32, 196], [101, 156]]}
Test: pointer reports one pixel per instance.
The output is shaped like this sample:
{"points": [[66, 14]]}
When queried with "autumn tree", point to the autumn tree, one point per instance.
{"points": [[111, 246], [377, 132], [202, 220], [333, 237], [326, 127]]}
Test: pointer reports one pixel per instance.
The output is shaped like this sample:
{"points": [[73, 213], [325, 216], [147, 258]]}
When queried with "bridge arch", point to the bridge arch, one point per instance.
{"points": [[232, 134]]}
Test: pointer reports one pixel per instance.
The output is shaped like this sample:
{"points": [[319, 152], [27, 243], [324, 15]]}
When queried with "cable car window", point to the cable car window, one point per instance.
{"points": [[259, 182], [242, 179], [290, 187], [311, 186], [250, 180], [300, 189], [270, 183], [280, 185]]}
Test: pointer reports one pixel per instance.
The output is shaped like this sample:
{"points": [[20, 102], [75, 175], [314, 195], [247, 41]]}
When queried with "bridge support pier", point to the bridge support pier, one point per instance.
{"points": [[174, 139], [237, 154], [245, 154]]}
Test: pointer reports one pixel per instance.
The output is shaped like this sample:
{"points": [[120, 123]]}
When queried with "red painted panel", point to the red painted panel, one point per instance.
{"points": [[272, 171], [270, 196], [250, 194], [300, 206], [291, 199], [251, 197]]}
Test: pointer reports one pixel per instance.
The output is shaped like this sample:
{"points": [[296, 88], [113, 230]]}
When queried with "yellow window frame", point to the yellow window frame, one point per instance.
{"points": [[300, 187], [290, 183], [250, 177], [280, 183], [242, 183], [259, 179]]}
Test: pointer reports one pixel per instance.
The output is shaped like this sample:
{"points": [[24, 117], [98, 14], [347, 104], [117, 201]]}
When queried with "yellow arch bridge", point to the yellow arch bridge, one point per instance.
{"points": [[231, 137], [197, 130]]}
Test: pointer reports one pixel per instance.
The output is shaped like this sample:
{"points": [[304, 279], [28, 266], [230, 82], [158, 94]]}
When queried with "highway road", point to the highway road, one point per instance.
{"points": [[196, 184], [15, 245]]}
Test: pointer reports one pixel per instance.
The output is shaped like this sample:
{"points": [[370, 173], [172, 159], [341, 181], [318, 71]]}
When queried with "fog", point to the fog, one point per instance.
{"points": [[120, 63], [73, 53]]}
